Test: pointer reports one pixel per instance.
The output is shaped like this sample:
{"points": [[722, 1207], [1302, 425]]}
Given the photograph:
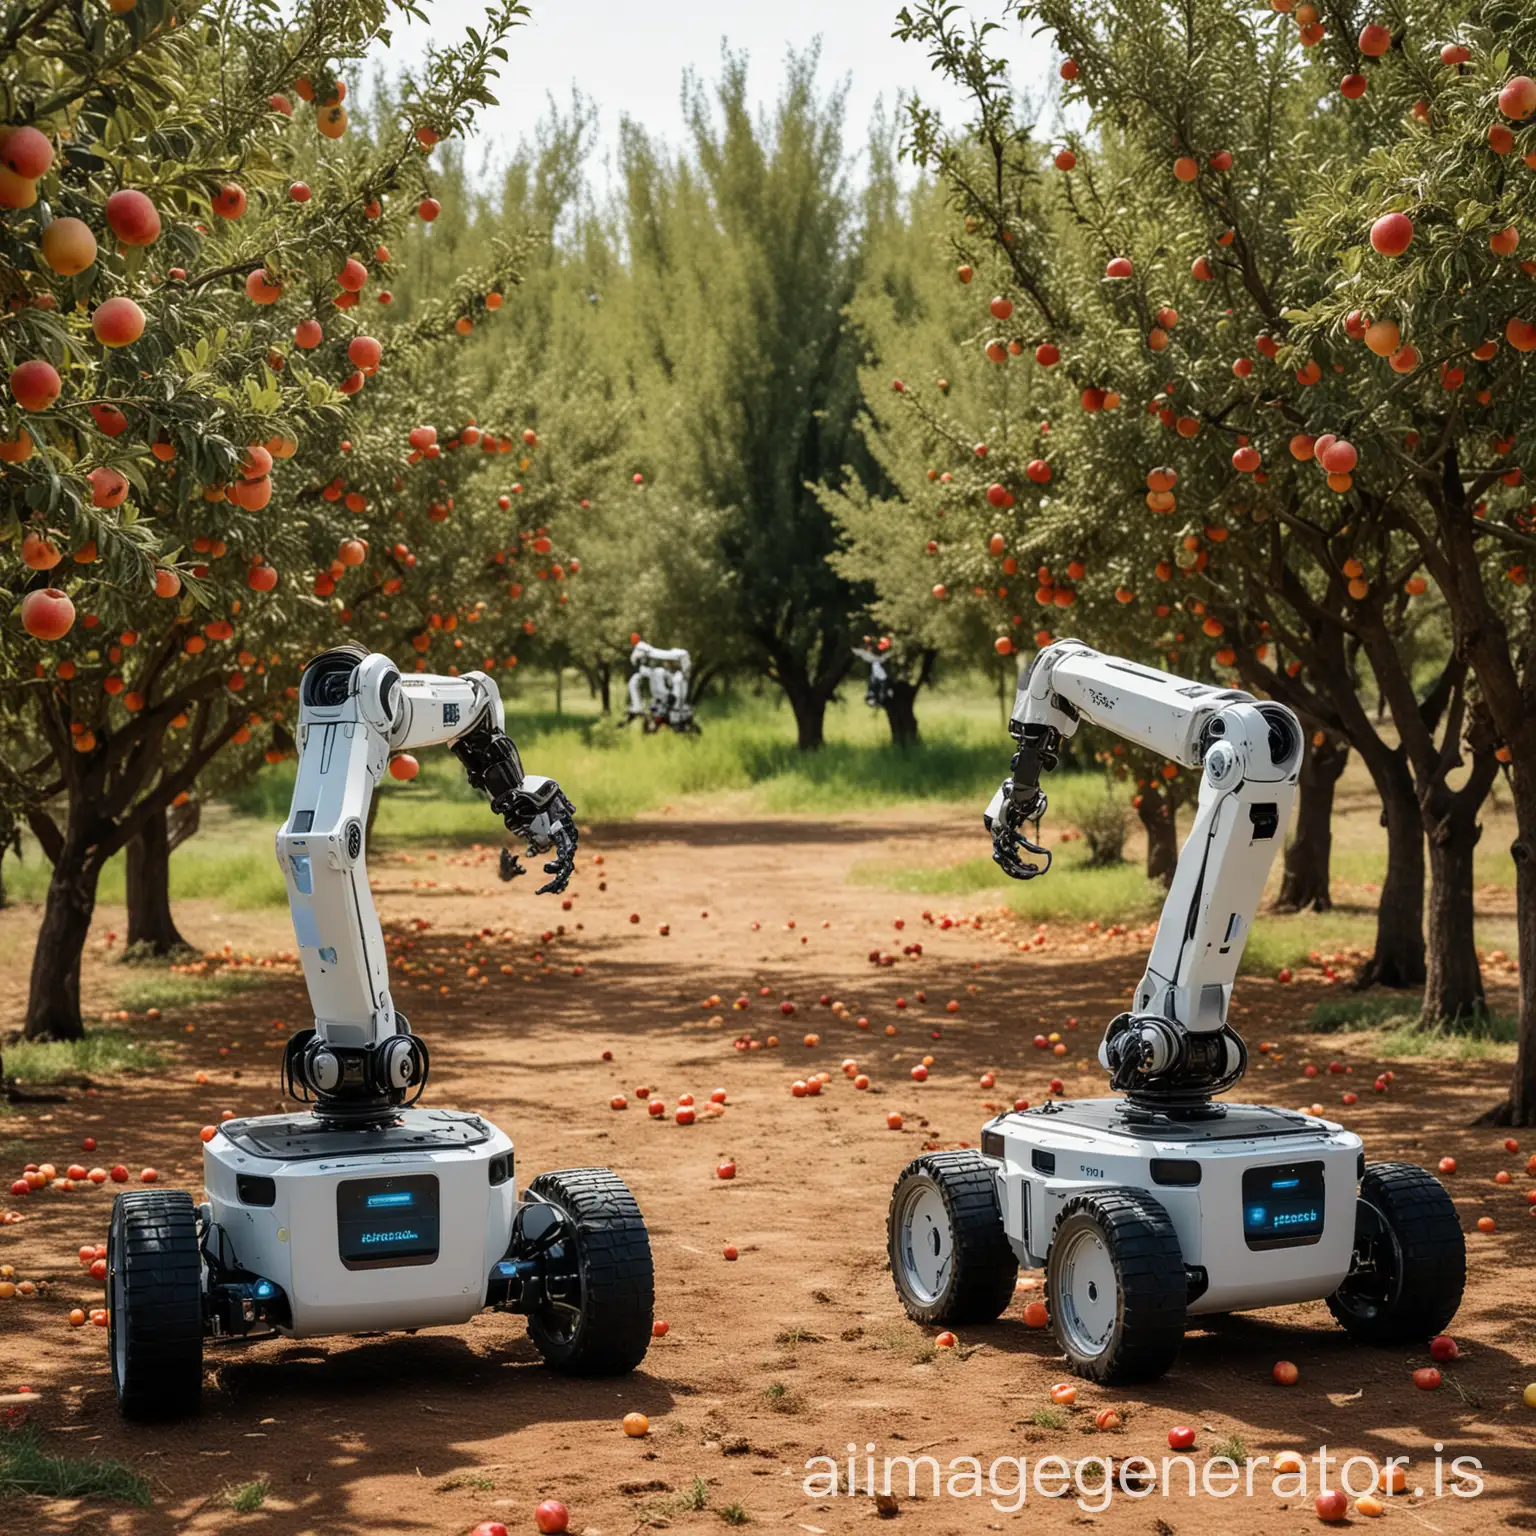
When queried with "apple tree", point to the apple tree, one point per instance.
{"points": [[187, 231], [1164, 257]]}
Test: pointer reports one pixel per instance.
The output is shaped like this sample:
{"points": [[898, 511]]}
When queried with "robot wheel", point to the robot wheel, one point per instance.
{"points": [[599, 1287], [1410, 1259], [155, 1304], [950, 1257], [1116, 1286]]}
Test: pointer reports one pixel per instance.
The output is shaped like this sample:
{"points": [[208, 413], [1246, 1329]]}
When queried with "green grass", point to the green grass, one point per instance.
{"points": [[138, 992], [1290, 938], [1072, 891], [733, 1514], [1048, 1418], [25, 1468], [102, 1053], [234, 866], [247, 1498], [1403, 1032]]}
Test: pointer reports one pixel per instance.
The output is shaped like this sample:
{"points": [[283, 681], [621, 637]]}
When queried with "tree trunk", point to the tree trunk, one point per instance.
{"points": [[810, 721], [1304, 884], [1398, 960], [1520, 1108], [559, 690], [1159, 819], [901, 711], [53, 1004], [605, 687], [809, 704], [1453, 989], [150, 923]]}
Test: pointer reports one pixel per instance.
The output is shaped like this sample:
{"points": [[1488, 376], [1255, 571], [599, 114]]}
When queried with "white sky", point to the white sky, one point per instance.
{"points": [[629, 56]]}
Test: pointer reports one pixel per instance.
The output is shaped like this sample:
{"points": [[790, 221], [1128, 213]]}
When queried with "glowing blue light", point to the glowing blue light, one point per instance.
{"points": [[265, 1289], [1295, 1218], [1256, 1215], [1285, 1183], [393, 1198]]}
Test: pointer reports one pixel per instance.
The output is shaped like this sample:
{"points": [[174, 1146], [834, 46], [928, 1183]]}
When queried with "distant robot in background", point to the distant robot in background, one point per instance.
{"points": [[877, 691], [665, 675]]}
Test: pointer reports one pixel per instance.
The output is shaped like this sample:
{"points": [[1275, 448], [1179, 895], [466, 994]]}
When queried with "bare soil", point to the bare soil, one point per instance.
{"points": [[799, 1348]]}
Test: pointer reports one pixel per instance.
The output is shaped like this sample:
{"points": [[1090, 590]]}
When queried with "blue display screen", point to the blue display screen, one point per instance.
{"points": [[1283, 1207], [388, 1221], [393, 1197]]}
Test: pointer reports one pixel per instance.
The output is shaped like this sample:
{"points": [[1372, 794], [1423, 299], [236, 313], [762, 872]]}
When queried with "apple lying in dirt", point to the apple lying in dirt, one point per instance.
{"points": [[551, 1516], [1332, 1506]]}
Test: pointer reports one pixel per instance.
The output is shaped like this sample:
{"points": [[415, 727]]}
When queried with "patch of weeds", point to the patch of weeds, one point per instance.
{"points": [[26, 1468], [781, 1399], [733, 1514], [1048, 1418], [1233, 1448], [692, 1498], [247, 1498], [476, 1480], [799, 1335], [925, 1353]]}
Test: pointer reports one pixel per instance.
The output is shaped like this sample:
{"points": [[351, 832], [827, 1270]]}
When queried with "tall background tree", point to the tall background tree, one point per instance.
{"points": [[744, 252]]}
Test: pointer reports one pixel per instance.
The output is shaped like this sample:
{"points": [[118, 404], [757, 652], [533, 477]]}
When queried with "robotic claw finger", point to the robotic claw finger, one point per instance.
{"points": [[1164, 1204], [366, 1212]]}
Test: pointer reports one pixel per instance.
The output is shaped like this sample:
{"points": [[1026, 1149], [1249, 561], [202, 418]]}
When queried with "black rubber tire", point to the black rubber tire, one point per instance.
{"points": [[984, 1268], [1152, 1288], [1406, 1213], [616, 1276], [155, 1304]]}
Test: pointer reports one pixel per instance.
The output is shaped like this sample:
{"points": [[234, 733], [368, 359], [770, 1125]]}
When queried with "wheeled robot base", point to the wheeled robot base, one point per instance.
{"points": [[312, 1229], [1142, 1220]]}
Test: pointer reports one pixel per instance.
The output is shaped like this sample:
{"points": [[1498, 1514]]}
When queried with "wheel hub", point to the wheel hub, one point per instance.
{"points": [[1376, 1269], [927, 1247], [1086, 1301]]}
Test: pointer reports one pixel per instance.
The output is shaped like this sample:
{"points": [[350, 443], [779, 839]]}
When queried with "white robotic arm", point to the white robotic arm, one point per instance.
{"points": [[355, 709], [1176, 1039]]}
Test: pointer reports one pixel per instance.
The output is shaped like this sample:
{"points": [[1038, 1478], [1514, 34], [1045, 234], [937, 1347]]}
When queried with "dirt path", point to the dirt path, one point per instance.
{"points": [[798, 1348]]}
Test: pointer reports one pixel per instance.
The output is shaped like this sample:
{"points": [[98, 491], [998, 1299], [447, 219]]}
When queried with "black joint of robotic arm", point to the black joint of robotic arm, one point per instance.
{"points": [[492, 765], [1037, 754]]}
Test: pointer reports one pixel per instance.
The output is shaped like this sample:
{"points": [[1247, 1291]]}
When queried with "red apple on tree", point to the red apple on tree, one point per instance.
{"points": [[1392, 233], [133, 218], [47, 614]]}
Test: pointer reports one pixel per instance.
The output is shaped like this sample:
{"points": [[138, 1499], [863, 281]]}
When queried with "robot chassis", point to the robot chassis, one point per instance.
{"points": [[367, 1212], [666, 675], [1164, 1205]]}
